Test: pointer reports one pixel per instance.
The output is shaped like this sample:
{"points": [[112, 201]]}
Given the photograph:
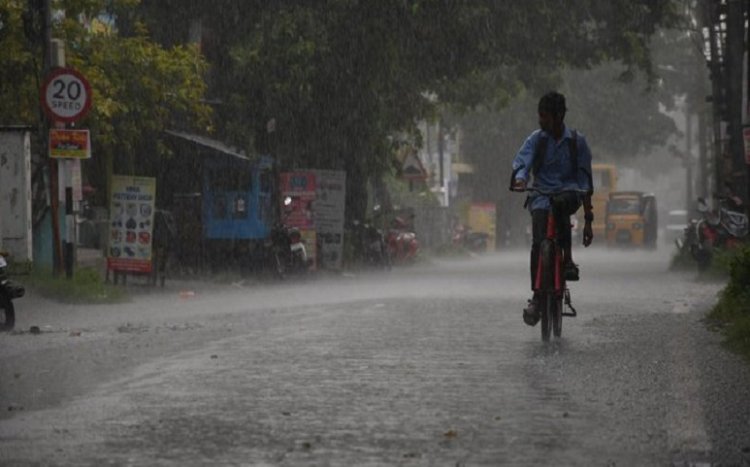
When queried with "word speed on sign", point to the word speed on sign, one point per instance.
{"points": [[66, 95]]}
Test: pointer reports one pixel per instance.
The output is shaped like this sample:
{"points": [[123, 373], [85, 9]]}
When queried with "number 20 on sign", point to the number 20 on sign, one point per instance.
{"points": [[66, 95]]}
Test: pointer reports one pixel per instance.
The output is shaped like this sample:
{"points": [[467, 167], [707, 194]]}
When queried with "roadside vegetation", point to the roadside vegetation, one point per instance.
{"points": [[731, 315], [718, 270], [86, 287]]}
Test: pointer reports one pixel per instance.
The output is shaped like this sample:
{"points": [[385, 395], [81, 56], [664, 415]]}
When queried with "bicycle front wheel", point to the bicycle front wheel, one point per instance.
{"points": [[547, 300]]}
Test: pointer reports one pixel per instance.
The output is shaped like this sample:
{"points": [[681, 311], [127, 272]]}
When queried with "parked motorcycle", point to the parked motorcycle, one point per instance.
{"points": [[370, 245], [402, 243], [726, 228], [8, 292], [288, 253], [473, 241]]}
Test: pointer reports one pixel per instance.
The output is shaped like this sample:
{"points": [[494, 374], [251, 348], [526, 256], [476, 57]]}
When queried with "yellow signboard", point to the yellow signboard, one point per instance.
{"points": [[73, 144], [482, 218]]}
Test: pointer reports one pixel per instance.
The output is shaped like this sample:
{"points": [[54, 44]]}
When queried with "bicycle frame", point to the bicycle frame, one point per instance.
{"points": [[559, 277]]}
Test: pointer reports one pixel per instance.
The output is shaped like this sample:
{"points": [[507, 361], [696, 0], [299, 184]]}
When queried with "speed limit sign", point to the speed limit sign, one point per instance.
{"points": [[66, 95]]}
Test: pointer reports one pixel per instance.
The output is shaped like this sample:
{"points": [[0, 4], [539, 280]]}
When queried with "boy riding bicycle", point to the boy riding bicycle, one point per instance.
{"points": [[559, 159]]}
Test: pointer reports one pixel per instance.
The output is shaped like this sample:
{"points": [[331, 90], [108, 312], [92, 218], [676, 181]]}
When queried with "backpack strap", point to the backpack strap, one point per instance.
{"points": [[573, 149], [540, 152]]}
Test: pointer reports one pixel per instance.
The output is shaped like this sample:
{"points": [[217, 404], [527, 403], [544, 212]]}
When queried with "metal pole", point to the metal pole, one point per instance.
{"points": [[441, 150], [57, 259], [70, 225], [712, 20], [688, 158], [703, 155]]}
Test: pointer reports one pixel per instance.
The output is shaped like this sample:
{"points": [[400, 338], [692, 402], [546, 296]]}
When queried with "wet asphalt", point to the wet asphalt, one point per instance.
{"points": [[424, 365]]}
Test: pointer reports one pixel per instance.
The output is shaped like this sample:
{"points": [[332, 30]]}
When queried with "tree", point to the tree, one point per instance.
{"points": [[341, 78], [139, 88], [620, 110]]}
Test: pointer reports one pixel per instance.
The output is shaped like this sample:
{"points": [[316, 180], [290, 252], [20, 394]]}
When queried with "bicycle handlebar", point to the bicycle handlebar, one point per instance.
{"points": [[539, 191], [552, 192]]}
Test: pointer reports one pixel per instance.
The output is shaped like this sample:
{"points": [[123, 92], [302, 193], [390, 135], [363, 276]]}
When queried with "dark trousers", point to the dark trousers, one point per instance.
{"points": [[566, 204]]}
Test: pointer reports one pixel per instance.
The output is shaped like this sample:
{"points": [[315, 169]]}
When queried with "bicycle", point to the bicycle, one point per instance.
{"points": [[550, 286]]}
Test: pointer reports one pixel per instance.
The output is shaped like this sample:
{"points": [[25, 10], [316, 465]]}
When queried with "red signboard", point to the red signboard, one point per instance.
{"points": [[297, 206], [300, 188]]}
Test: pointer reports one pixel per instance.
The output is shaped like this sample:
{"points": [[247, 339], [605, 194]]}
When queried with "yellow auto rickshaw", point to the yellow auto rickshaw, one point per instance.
{"points": [[631, 219]]}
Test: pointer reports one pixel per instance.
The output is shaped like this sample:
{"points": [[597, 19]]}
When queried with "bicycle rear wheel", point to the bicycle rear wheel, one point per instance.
{"points": [[547, 299]]}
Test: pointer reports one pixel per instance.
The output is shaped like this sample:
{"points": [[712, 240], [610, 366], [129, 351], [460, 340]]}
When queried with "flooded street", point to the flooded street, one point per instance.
{"points": [[427, 365]]}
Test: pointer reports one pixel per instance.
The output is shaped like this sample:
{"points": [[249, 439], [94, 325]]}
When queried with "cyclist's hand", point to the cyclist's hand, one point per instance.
{"points": [[519, 184], [588, 234]]}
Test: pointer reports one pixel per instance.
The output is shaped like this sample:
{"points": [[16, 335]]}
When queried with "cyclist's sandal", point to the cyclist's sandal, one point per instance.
{"points": [[530, 314], [571, 272]]}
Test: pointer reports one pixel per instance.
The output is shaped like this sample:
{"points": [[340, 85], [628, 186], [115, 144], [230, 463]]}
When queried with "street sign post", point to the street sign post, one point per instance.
{"points": [[66, 95], [412, 169], [66, 98]]}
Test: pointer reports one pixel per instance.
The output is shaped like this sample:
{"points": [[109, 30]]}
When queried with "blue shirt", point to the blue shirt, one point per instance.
{"points": [[555, 173]]}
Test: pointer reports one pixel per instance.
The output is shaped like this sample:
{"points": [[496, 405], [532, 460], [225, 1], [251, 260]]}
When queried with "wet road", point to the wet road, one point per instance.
{"points": [[430, 365]]}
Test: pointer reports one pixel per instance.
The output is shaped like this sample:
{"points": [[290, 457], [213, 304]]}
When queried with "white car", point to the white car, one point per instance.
{"points": [[675, 227]]}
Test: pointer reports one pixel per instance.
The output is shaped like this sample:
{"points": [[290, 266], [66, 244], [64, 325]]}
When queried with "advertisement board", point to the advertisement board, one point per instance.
{"points": [[131, 224], [300, 187], [328, 213]]}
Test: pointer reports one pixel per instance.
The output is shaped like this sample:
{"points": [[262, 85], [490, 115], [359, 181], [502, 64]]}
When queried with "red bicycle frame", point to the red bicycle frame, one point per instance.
{"points": [[559, 279]]}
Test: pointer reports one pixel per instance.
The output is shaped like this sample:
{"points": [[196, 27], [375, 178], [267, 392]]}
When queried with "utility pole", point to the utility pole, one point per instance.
{"points": [[716, 73], [441, 151], [688, 157], [734, 85], [703, 190], [57, 254], [746, 104]]}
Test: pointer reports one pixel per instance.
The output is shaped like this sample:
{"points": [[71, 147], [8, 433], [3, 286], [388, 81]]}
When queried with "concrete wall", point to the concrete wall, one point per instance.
{"points": [[15, 192]]}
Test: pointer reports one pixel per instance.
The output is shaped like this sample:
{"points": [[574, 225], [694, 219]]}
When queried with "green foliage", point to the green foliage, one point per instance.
{"points": [[85, 287], [403, 196], [618, 110], [722, 261], [739, 274], [732, 312], [341, 78], [139, 87], [20, 71]]}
